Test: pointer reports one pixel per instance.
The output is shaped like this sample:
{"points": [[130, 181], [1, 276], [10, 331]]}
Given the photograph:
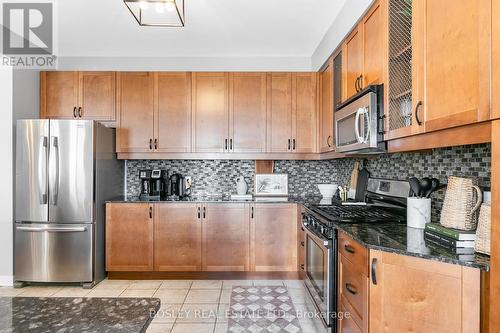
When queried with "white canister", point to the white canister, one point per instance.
{"points": [[418, 212], [415, 241]]}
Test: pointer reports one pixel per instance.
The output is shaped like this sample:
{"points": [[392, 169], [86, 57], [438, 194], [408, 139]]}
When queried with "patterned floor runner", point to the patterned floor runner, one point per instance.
{"points": [[262, 309]]}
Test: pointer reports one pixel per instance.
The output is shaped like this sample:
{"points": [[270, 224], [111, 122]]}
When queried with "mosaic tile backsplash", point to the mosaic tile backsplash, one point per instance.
{"points": [[217, 178]]}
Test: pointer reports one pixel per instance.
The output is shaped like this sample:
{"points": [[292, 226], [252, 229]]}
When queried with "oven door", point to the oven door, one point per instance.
{"points": [[319, 274], [356, 124]]}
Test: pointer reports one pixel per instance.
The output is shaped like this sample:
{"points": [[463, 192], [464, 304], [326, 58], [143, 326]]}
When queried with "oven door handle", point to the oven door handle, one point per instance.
{"points": [[359, 112]]}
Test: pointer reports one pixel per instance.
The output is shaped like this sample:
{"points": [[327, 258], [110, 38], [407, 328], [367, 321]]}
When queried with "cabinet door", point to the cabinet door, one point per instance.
{"points": [[247, 112], [279, 106], [129, 237], [454, 55], [134, 131], [177, 235], [273, 237], [173, 116], [59, 94], [419, 286], [495, 59], [304, 112], [225, 229], [210, 105], [97, 95], [326, 108], [374, 46], [352, 56]]}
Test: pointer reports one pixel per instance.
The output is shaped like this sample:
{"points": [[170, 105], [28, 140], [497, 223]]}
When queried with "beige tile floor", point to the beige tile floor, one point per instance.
{"points": [[186, 306]]}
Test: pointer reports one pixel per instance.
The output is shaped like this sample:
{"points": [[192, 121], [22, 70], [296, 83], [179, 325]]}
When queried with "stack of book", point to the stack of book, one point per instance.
{"points": [[457, 241]]}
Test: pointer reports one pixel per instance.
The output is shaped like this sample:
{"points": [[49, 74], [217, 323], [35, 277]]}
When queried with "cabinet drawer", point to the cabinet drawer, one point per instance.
{"points": [[353, 290], [356, 253], [347, 324]]}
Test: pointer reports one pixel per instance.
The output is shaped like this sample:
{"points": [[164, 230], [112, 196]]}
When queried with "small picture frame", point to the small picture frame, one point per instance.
{"points": [[271, 184]]}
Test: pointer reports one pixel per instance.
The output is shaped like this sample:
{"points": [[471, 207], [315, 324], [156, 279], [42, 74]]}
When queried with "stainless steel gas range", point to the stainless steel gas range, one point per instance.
{"points": [[385, 202]]}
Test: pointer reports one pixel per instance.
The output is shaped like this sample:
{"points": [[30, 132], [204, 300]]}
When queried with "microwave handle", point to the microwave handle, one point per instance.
{"points": [[367, 119], [356, 125]]}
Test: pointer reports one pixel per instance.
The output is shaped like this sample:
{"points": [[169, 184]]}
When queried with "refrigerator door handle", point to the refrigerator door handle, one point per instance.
{"points": [[42, 170], [52, 229], [54, 171]]}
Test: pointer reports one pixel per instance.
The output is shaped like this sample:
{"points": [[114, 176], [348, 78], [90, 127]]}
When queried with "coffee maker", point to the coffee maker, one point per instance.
{"points": [[176, 186], [152, 184]]}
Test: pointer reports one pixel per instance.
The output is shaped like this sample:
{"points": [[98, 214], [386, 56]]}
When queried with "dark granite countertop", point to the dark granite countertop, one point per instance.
{"points": [[398, 238], [65, 314], [306, 200]]}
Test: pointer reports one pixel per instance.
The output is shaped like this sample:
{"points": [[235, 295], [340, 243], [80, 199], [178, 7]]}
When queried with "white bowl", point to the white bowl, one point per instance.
{"points": [[327, 190]]}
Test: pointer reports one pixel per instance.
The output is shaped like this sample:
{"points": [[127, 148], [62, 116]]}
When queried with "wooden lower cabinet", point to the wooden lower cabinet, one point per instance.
{"points": [[177, 237], [225, 230], [129, 237], [273, 237], [419, 295]]}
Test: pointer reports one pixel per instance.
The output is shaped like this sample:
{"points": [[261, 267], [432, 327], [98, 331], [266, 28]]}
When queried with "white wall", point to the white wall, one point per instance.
{"points": [[6, 168], [348, 15]]}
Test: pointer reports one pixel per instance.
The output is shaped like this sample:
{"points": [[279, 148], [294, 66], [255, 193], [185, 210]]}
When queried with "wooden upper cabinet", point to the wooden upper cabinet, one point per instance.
{"points": [[82, 95], [225, 229], [273, 237], [326, 137], [304, 112], [452, 57], [279, 106], [210, 112], [374, 46], [173, 114], [418, 286], [97, 95], [58, 94], [495, 59], [135, 128], [129, 237], [352, 56], [177, 237], [247, 112]]}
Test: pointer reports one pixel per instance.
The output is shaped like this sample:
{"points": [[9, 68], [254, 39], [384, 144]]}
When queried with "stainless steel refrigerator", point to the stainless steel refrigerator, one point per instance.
{"points": [[65, 171]]}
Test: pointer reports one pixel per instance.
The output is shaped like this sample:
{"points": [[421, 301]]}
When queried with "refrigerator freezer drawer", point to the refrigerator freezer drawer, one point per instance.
{"points": [[53, 252]]}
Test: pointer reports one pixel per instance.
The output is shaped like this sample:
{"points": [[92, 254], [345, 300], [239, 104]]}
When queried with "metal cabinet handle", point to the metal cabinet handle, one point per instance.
{"points": [[230, 144], [302, 243], [328, 141], [360, 82], [293, 144], [374, 270], [349, 248], [302, 266], [356, 84], [150, 212], [74, 112], [204, 212], [150, 144], [289, 144], [156, 144], [80, 112], [199, 213], [252, 212], [225, 144], [351, 288], [417, 108]]}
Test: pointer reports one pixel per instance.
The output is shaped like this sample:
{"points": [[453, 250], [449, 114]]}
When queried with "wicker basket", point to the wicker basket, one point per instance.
{"points": [[483, 233], [461, 203]]}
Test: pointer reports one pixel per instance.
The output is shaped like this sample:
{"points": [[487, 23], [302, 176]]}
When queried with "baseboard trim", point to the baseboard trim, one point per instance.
{"points": [[202, 275], [6, 280]]}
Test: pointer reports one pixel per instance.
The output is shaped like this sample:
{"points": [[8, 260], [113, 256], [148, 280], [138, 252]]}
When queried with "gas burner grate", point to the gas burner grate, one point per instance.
{"points": [[338, 213]]}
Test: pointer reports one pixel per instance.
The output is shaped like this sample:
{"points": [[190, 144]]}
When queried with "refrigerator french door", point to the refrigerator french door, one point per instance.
{"points": [[55, 213]]}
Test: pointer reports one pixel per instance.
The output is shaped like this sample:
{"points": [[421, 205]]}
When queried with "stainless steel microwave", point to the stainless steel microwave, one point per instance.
{"points": [[359, 123]]}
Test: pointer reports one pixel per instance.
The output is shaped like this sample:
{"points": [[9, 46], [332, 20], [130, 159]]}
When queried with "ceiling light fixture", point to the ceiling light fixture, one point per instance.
{"points": [[159, 13]]}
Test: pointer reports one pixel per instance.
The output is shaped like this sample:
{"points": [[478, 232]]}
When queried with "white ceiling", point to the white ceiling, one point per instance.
{"points": [[214, 28]]}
